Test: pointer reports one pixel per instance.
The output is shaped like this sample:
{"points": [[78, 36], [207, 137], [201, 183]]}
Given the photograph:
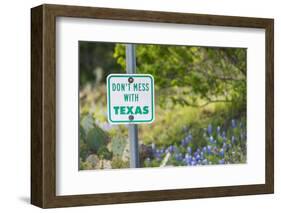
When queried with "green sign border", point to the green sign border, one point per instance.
{"points": [[127, 76]]}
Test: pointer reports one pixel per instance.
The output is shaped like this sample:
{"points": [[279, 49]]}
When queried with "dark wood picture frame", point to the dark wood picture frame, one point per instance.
{"points": [[43, 105]]}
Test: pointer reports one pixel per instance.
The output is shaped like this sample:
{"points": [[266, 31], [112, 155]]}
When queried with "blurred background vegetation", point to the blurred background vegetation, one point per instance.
{"points": [[200, 97]]}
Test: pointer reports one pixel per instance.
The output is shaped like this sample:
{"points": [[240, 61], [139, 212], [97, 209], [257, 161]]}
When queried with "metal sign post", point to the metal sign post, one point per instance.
{"points": [[133, 128]]}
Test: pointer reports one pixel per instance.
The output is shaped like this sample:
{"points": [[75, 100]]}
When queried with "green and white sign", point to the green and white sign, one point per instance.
{"points": [[130, 98]]}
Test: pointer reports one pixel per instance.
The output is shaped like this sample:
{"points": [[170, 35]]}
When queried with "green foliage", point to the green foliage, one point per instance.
{"points": [[83, 149], [86, 124], [174, 120], [84, 165], [193, 76], [118, 163], [104, 153]]}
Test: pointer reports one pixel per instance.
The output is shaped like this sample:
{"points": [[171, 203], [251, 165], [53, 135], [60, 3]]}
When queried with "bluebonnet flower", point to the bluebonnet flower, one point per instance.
{"points": [[153, 147], [184, 142], [204, 149], [178, 156], [211, 139], [185, 161], [160, 151], [221, 161], [220, 142], [188, 159], [209, 148], [171, 148], [157, 155], [218, 129], [233, 123], [210, 129], [233, 139], [193, 163], [221, 153], [205, 162]]}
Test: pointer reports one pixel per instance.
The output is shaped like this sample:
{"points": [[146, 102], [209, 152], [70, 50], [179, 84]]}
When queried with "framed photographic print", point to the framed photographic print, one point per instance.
{"points": [[136, 106]]}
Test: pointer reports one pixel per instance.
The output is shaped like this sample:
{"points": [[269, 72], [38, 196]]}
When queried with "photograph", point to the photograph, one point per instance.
{"points": [[135, 105], [198, 96]]}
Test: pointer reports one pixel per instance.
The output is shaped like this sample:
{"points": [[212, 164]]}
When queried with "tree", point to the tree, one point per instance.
{"points": [[193, 76], [96, 62]]}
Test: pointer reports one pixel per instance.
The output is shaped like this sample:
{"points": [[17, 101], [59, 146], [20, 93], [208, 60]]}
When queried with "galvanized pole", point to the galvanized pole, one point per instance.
{"points": [[133, 129]]}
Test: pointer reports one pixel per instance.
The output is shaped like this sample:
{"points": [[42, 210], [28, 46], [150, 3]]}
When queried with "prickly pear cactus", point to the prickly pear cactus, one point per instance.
{"points": [[118, 145], [87, 123], [94, 136]]}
